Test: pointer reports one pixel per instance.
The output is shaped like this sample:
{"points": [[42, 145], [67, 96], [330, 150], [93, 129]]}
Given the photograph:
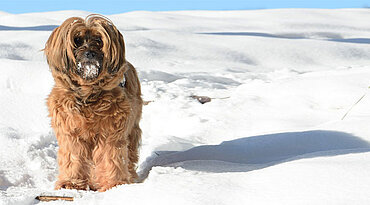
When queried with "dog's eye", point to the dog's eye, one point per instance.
{"points": [[78, 41], [99, 41]]}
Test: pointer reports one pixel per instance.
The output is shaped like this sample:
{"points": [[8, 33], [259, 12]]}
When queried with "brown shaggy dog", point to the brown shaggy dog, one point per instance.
{"points": [[94, 114]]}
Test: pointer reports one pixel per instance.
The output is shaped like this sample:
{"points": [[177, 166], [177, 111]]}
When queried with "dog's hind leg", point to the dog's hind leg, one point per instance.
{"points": [[133, 151]]}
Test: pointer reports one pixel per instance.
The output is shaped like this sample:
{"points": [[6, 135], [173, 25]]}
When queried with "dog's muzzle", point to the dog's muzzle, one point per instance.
{"points": [[89, 66]]}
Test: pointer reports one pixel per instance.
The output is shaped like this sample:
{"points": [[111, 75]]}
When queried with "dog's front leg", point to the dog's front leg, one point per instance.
{"points": [[74, 159], [111, 164]]}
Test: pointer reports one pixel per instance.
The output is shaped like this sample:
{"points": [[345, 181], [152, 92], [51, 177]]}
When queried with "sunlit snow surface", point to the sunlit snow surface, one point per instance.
{"points": [[280, 80]]}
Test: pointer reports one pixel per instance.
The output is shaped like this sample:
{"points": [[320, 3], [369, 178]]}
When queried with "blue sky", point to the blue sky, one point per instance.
{"points": [[116, 6]]}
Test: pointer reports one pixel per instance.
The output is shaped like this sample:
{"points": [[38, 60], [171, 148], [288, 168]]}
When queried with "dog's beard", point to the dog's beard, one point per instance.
{"points": [[89, 69]]}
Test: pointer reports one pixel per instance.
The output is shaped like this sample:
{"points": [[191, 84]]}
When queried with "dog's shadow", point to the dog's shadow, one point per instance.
{"points": [[251, 153]]}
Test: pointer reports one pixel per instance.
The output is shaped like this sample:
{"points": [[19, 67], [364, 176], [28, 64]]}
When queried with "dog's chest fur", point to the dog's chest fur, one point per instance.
{"points": [[109, 113]]}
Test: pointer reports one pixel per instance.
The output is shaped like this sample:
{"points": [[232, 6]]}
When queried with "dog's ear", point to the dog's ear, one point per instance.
{"points": [[113, 43], [118, 59], [59, 47]]}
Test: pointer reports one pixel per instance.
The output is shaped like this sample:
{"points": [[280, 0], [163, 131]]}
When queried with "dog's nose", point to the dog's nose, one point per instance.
{"points": [[90, 54]]}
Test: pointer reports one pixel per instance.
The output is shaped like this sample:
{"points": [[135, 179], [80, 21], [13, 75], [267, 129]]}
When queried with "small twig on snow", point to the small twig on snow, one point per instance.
{"points": [[354, 104]]}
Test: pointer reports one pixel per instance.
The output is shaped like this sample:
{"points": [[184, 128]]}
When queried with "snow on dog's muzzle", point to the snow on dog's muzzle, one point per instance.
{"points": [[88, 69]]}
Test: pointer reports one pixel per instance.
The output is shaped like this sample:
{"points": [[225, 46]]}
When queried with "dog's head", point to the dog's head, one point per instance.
{"points": [[86, 52]]}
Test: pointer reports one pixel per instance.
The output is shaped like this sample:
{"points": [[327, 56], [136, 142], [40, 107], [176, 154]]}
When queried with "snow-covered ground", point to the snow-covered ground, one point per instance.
{"points": [[281, 81]]}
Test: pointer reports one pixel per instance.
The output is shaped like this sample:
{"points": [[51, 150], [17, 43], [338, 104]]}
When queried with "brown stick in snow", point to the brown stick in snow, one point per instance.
{"points": [[54, 198]]}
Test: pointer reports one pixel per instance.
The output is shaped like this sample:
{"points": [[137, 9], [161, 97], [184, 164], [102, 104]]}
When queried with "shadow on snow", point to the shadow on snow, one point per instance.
{"points": [[257, 152], [28, 28], [325, 35]]}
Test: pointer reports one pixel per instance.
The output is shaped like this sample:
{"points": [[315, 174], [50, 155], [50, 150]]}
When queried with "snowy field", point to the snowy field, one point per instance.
{"points": [[281, 81]]}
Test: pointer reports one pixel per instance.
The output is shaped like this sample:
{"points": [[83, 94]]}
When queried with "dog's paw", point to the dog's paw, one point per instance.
{"points": [[71, 184], [93, 187]]}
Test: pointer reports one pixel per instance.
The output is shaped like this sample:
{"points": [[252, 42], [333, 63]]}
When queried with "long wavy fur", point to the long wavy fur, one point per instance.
{"points": [[96, 122]]}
